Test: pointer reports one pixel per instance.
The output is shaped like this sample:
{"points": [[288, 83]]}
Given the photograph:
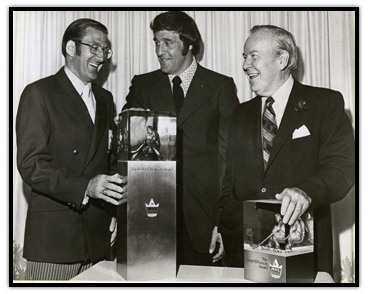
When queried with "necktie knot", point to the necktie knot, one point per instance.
{"points": [[268, 106], [177, 81], [269, 101]]}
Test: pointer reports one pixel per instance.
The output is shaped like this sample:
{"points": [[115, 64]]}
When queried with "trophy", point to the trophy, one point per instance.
{"points": [[146, 240], [275, 252]]}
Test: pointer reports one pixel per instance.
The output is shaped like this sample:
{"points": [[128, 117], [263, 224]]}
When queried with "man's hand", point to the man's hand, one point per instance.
{"points": [[113, 230], [216, 237], [138, 128], [108, 188], [294, 203]]}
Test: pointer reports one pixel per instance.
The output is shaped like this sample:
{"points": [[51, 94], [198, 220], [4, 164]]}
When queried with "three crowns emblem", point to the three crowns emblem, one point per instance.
{"points": [[152, 208], [276, 270]]}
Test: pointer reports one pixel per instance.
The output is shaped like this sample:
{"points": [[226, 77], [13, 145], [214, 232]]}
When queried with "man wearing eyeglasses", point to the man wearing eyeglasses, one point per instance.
{"points": [[64, 128]]}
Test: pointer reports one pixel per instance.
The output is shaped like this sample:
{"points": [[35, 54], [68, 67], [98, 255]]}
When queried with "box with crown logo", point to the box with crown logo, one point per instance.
{"points": [[275, 252], [146, 241]]}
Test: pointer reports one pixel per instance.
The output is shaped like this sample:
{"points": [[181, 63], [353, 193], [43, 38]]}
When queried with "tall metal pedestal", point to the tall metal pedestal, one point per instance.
{"points": [[146, 241]]}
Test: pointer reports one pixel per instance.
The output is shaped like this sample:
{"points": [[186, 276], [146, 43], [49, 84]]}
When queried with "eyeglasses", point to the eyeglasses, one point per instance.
{"points": [[97, 49]]}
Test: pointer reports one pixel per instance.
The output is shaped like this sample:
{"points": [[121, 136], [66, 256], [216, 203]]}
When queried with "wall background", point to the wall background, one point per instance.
{"points": [[326, 42]]}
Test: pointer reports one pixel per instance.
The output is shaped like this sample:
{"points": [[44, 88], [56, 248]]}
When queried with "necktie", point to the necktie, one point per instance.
{"points": [[269, 129], [88, 100], [178, 94]]}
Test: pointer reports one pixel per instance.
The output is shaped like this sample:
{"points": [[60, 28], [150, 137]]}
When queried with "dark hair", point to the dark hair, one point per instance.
{"points": [[181, 23], [285, 41], [76, 31]]}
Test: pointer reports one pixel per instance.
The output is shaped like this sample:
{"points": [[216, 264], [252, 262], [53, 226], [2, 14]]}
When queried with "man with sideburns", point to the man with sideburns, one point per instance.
{"points": [[204, 102]]}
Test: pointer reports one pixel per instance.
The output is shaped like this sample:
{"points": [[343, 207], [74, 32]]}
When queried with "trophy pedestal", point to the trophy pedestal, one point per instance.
{"points": [[275, 252], [146, 244], [146, 240]]}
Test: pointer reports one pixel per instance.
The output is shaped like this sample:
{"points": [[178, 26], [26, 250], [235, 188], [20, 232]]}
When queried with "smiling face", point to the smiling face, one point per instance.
{"points": [[169, 49], [84, 64], [264, 70]]}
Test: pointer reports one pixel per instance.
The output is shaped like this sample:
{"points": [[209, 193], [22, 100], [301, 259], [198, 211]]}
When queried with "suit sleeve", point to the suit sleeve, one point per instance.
{"points": [[134, 98], [336, 157], [227, 103], [34, 159], [230, 223], [114, 143]]}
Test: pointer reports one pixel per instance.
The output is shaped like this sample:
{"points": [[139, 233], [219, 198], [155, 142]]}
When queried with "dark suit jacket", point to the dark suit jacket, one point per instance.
{"points": [[59, 151], [202, 131], [322, 164]]}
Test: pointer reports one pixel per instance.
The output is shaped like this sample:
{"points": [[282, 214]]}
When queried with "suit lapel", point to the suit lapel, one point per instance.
{"points": [[100, 123], [288, 121], [255, 120], [160, 91], [70, 100], [198, 92]]}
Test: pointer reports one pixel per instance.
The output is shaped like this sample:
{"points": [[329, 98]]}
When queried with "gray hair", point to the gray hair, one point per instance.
{"points": [[285, 41]]}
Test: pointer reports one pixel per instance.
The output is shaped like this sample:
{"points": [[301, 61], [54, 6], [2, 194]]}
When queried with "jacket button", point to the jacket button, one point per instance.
{"points": [[263, 190], [75, 151]]}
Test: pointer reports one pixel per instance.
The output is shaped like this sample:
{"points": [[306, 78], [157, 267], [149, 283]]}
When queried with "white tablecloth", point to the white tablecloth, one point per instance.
{"points": [[105, 271]]}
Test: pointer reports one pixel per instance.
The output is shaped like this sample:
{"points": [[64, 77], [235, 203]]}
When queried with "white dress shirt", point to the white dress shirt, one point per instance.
{"points": [[80, 86], [281, 97]]}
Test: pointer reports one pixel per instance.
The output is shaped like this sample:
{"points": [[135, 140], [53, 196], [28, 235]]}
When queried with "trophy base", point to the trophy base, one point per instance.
{"points": [[146, 240], [267, 266]]}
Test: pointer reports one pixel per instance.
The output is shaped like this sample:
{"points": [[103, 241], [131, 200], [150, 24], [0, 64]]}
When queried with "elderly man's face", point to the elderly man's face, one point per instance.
{"points": [[260, 64], [87, 65], [169, 49]]}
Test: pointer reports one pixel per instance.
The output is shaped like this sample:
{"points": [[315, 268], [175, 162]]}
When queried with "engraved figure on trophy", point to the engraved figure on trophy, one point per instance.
{"points": [[309, 227], [123, 141], [277, 236], [150, 148], [145, 135], [122, 138], [296, 235], [249, 233]]}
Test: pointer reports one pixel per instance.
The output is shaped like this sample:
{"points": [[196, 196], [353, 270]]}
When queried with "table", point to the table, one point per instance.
{"points": [[105, 271]]}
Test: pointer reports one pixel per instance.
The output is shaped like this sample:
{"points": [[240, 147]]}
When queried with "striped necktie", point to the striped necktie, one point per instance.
{"points": [[269, 129]]}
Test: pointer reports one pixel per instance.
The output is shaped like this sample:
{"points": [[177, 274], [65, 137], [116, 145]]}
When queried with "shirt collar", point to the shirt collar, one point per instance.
{"points": [[281, 96], [186, 76], [77, 83]]}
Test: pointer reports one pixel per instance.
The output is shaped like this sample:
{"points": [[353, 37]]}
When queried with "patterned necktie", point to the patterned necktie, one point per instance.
{"points": [[269, 129], [178, 94], [88, 100]]}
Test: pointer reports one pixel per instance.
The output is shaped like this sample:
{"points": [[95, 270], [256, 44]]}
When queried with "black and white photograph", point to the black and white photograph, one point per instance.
{"points": [[162, 145]]}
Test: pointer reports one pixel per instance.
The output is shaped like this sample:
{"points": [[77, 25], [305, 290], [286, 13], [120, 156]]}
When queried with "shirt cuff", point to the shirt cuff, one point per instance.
{"points": [[85, 199]]}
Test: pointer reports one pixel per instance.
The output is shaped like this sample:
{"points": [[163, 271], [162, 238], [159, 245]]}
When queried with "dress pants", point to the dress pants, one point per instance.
{"points": [[44, 271], [187, 255]]}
